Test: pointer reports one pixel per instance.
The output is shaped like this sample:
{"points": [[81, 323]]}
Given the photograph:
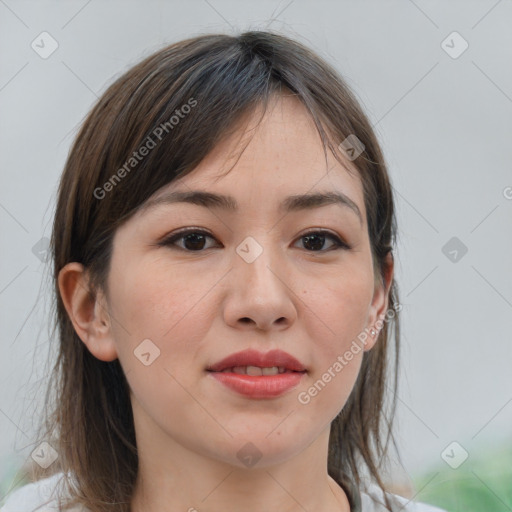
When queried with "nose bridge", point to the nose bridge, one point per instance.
{"points": [[258, 289], [257, 257]]}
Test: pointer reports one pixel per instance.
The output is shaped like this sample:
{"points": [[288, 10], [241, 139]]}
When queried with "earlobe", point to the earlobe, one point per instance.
{"points": [[87, 312]]}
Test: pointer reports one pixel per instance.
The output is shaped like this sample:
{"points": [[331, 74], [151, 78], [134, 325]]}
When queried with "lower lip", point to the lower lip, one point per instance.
{"points": [[266, 386]]}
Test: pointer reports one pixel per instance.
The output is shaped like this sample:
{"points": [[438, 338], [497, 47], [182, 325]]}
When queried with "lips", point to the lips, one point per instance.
{"points": [[277, 358]]}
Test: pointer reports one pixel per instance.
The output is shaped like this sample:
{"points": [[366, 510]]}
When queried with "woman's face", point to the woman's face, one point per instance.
{"points": [[249, 278]]}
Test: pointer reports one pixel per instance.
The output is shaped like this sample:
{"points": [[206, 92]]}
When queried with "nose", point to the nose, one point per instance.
{"points": [[260, 293]]}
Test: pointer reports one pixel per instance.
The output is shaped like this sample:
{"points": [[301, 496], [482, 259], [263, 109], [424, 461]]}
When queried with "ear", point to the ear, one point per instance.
{"points": [[87, 312], [379, 304]]}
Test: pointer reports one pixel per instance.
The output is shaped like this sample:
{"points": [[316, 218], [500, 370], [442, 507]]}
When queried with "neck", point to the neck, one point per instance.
{"points": [[172, 477]]}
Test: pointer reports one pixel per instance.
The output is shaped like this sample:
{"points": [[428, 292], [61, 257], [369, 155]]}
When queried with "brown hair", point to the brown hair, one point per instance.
{"points": [[220, 78]]}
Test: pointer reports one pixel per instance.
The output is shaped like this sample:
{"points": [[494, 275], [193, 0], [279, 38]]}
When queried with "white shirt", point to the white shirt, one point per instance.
{"points": [[41, 496]]}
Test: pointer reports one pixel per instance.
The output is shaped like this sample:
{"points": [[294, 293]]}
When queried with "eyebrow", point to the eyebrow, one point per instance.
{"points": [[291, 203]]}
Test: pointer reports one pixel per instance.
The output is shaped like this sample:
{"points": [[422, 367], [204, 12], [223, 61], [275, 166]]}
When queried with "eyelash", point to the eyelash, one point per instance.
{"points": [[170, 240]]}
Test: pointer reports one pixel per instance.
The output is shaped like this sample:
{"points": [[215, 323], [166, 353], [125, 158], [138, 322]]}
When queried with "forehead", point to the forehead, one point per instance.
{"points": [[270, 159]]}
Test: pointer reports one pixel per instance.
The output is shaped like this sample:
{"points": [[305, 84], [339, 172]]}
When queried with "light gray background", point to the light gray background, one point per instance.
{"points": [[445, 127]]}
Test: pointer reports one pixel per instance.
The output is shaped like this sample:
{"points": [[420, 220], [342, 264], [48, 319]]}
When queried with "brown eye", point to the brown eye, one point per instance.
{"points": [[315, 240], [193, 240]]}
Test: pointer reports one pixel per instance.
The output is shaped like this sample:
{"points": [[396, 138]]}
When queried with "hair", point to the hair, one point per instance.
{"points": [[186, 98]]}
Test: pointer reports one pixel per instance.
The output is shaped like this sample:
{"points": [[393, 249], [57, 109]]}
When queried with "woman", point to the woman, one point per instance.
{"points": [[223, 266]]}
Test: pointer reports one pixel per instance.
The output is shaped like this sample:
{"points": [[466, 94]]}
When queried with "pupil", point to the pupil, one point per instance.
{"points": [[194, 238], [313, 237]]}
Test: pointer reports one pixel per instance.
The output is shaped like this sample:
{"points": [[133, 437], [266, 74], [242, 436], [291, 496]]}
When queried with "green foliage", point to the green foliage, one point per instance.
{"points": [[483, 483], [12, 477]]}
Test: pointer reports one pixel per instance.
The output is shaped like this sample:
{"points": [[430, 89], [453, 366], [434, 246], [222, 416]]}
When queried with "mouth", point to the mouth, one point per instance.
{"points": [[257, 371], [258, 375], [252, 362]]}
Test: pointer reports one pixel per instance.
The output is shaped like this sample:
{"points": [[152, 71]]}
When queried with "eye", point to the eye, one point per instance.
{"points": [[194, 240], [315, 239]]}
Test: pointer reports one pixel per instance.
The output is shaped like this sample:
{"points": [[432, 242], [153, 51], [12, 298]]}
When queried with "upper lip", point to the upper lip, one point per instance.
{"points": [[277, 358]]}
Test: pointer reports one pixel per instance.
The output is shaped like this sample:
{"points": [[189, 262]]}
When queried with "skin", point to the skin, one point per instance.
{"points": [[199, 306]]}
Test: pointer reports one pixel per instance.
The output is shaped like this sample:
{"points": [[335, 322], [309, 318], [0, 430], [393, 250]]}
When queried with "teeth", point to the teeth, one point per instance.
{"points": [[255, 370]]}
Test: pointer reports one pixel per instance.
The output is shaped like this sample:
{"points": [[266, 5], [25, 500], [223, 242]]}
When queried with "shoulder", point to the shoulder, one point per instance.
{"points": [[40, 496], [372, 500]]}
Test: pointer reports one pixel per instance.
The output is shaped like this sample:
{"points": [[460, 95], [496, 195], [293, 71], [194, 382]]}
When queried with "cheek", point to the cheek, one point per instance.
{"points": [[152, 297], [337, 312], [338, 309], [165, 305]]}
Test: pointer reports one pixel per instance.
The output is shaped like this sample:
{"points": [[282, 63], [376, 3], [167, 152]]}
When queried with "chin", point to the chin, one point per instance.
{"points": [[258, 449]]}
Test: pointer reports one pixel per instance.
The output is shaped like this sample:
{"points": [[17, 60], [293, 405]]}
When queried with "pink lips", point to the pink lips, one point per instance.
{"points": [[255, 358], [255, 386]]}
